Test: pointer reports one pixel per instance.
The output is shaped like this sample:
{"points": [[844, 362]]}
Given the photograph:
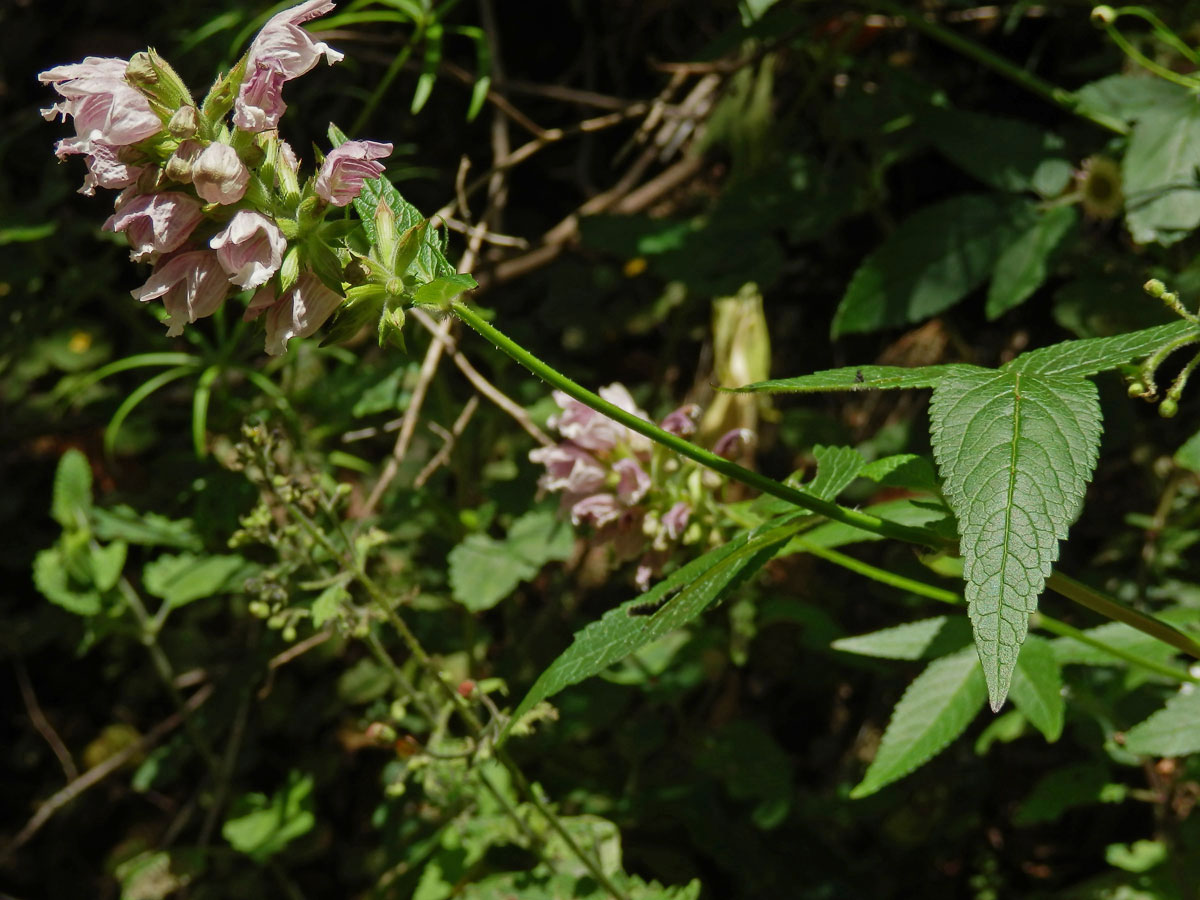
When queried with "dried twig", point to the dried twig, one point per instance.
{"points": [[96, 774], [448, 440], [42, 724]]}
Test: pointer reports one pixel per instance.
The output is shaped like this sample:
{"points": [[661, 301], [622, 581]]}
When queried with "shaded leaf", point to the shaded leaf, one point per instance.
{"points": [[1172, 731], [1065, 788], [1025, 264], [184, 578], [72, 500], [123, 523], [925, 639], [856, 378], [1037, 687], [1162, 193], [931, 261], [52, 581], [260, 828], [483, 570], [1001, 152], [936, 708], [1015, 452]]}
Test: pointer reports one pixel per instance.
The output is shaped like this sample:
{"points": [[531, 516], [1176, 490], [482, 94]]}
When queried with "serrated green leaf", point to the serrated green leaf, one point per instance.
{"points": [[931, 261], [1162, 194], [430, 262], [123, 523], [937, 707], [925, 639], [260, 828], [1094, 355], [668, 605], [1119, 636], [1037, 687], [918, 513], [837, 467], [1001, 152], [442, 290], [858, 378], [540, 536], [906, 470], [51, 579], [1016, 452], [1188, 455], [72, 499], [1025, 263], [184, 578], [1172, 731]]}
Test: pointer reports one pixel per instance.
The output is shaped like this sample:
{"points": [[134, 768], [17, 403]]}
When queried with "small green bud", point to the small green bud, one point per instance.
{"points": [[259, 609], [1168, 408], [289, 633], [1137, 389], [1154, 287]]}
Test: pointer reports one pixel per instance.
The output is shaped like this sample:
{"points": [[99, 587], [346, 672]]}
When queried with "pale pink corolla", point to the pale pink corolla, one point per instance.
{"points": [[298, 312], [675, 520], [250, 248], [155, 223], [281, 51], [597, 510], [734, 442], [569, 468], [105, 106], [192, 286], [633, 483], [105, 169], [594, 431], [682, 421], [219, 175], [341, 177]]}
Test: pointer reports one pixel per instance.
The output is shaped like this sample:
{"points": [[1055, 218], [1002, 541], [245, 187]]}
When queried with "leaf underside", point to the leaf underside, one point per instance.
{"points": [[1016, 452]]}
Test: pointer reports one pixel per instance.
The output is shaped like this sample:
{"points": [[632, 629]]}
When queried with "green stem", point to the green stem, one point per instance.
{"points": [[1111, 609], [1041, 620], [706, 458], [1145, 62], [998, 64]]}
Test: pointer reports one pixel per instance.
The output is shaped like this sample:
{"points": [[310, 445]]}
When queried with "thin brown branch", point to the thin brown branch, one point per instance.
{"points": [[96, 774], [42, 724], [449, 438]]}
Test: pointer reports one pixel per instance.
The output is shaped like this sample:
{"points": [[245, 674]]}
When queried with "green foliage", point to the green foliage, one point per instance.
{"points": [[1016, 452], [931, 261], [483, 570], [935, 709], [260, 826], [924, 639], [1172, 731]]}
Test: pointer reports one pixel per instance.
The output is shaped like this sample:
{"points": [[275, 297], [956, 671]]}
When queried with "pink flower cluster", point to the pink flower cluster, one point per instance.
{"points": [[621, 483], [207, 204]]}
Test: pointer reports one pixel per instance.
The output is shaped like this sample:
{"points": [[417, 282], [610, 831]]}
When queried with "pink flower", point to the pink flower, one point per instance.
{"points": [[105, 106], [192, 285], [569, 468], [156, 223], [106, 170], [250, 248], [734, 443], [596, 432], [298, 312], [281, 51], [341, 177], [682, 421], [598, 510], [219, 175], [675, 520], [634, 481]]}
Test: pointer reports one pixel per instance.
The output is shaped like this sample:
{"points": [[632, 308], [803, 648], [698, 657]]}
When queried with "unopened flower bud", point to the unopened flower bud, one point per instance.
{"points": [[1155, 288], [1137, 389], [1168, 408], [219, 175], [381, 733], [185, 123], [1103, 16], [150, 74], [179, 166]]}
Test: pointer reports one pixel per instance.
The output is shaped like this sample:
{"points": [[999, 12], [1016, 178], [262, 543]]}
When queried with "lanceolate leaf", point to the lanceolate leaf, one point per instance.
{"points": [[1094, 355], [1037, 687], [668, 605], [923, 639], [1015, 452], [858, 378], [936, 708], [1172, 731], [1025, 264]]}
